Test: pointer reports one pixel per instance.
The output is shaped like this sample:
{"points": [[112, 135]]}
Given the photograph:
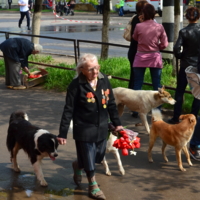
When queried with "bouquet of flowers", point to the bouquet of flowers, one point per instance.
{"points": [[127, 139]]}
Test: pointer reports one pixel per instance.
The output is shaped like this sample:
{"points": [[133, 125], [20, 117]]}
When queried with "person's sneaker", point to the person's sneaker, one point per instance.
{"points": [[194, 153], [172, 121], [29, 28], [19, 25], [20, 87]]}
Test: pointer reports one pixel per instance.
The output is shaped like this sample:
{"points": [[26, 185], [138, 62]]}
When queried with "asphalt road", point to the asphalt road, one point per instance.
{"points": [[84, 26]]}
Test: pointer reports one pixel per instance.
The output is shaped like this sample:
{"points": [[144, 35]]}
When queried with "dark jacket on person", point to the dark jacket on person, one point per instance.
{"points": [[189, 39], [90, 119], [17, 49], [133, 45]]}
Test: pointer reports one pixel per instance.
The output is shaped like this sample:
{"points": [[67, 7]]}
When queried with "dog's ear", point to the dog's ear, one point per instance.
{"points": [[181, 117], [161, 90], [192, 119]]}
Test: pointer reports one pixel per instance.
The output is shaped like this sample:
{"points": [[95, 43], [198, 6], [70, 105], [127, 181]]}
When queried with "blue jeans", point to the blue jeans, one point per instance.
{"points": [[180, 89], [121, 11], [139, 77], [195, 141]]}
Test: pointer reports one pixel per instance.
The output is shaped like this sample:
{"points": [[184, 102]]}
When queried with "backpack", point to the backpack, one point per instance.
{"points": [[127, 32]]}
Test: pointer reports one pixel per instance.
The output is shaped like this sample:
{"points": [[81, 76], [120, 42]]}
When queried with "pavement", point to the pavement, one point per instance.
{"points": [[142, 181]]}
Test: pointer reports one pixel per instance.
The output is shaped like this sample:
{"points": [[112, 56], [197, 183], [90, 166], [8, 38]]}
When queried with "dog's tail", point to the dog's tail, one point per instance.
{"points": [[156, 115], [17, 116]]}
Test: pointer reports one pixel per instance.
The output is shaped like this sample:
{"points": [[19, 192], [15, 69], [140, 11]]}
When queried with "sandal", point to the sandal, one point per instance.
{"points": [[77, 173], [94, 191]]}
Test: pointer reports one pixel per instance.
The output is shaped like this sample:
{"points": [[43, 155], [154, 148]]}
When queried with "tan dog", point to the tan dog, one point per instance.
{"points": [[177, 135], [141, 101]]}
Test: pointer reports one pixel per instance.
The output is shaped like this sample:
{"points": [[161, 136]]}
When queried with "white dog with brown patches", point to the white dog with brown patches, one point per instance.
{"points": [[141, 101]]}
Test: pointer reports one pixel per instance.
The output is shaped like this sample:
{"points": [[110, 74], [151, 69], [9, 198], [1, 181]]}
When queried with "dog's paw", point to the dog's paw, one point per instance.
{"points": [[150, 160], [183, 169], [122, 171], [43, 183], [190, 163], [108, 173], [16, 169], [166, 160]]}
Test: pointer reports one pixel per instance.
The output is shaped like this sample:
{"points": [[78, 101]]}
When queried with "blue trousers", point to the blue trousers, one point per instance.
{"points": [[195, 141], [121, 13], [89, 153], [180, 89], [139, 77]]}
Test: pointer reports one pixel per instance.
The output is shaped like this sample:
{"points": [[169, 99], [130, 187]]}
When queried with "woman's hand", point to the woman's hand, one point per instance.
{"points": [[62, 141], [119, 128]]}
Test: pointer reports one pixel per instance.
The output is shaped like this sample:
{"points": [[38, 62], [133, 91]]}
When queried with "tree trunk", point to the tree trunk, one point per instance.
{"points": [[168, 24], [105, 29], [176, 29], [36, 20]]}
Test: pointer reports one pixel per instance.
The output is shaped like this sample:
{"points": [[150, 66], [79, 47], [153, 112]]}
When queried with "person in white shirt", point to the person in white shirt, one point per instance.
{"points": [[24, 11]]}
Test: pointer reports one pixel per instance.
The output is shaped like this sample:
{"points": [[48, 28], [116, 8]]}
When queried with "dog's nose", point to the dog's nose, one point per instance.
{"points": [[55, 155]]}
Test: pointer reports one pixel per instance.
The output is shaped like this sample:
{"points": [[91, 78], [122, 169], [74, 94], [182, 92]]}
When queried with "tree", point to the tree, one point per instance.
{"points": [[176, 28], [105, 25], [105, 29], [36, 20]]}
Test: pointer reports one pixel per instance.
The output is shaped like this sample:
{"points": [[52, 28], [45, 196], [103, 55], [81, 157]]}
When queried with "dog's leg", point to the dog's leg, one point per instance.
{"points": [[178, 157], [39, 174], [105, 164], [143, 117], [14, 153], [152, 139], [163, 151], [185, 150], [120, 108], [117, 156]]}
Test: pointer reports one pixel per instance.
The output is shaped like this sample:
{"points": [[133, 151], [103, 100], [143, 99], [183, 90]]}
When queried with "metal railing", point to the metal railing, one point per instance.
{"points": [[76, 47]]}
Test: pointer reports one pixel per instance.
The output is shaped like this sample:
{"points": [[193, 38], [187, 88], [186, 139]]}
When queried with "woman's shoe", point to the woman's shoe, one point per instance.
{"points": [[98, 195], [95, 192], [9, 86], [20, 87], [77, 173]]}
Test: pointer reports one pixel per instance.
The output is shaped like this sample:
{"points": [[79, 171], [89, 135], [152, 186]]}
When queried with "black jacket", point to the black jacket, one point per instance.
{"points": [[17, 49], [90, 119], [189, 39], [133, 44]]}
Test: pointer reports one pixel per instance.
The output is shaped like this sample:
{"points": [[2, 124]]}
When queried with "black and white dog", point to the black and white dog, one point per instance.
{"points": [[37, 143]]}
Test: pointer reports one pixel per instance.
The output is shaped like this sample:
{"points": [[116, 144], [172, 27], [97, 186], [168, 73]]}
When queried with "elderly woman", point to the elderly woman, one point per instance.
{"points": [[16, 52], [90, 103], [151, 38]]}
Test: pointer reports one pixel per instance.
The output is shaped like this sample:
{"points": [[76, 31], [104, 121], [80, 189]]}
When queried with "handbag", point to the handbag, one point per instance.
{"points": [[127, 32]]}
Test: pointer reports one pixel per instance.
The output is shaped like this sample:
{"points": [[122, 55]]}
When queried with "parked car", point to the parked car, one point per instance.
{"points": [[129, 6]]}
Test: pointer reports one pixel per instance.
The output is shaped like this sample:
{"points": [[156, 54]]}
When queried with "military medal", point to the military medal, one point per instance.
{"points": [[105, 97], [90, 97]]}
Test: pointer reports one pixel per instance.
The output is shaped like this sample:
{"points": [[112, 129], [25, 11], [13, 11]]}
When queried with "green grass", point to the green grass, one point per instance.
{"points": [[59, 79]]}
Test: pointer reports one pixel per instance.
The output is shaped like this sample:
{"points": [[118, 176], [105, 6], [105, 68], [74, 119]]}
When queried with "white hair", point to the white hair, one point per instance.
{"points": [[38, 47], [83, 60]]}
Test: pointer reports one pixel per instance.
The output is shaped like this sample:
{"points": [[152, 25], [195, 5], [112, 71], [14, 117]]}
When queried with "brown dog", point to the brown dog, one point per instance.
{"points": [[177, 135]]}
